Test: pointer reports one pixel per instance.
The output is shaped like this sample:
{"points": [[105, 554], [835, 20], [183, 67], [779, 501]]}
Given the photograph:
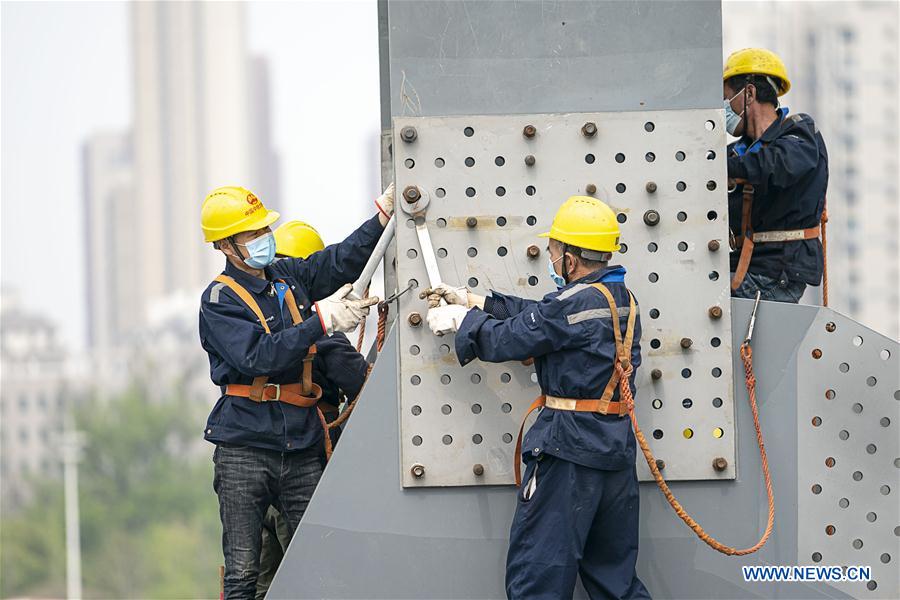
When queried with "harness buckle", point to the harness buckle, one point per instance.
{"points": [[277, 397]]}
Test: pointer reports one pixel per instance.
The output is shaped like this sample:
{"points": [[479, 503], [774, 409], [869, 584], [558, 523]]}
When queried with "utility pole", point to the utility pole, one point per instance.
{"points": [[71, 448]]}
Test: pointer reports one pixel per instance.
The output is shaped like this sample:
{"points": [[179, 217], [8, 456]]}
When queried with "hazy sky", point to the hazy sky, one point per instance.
{"points": [[66, 75]]}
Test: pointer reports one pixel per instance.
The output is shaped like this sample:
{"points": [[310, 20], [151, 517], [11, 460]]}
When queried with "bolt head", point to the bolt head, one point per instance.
{"points": [[411, 194], [471, 222], [590, 188], [529, 131], [686, 343], [651, 218], [660, 464], [589, 129], [414, 319], [830, 327], [417, 471], [715, 312], [533, 251], [408, 134], [650, 187], [656, 374], [713, 245], [529, 160], [719, 464], [817, 353], [478, 470]]}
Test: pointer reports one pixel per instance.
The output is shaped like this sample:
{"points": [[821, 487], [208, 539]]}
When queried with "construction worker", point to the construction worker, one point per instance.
{"points": [[778, 171], [258, 326], [577, 509], [338, 369]]}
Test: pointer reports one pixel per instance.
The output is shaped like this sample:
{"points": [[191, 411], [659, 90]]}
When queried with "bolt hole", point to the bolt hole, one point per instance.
{"points": [[621, 217], [710, 125], [688, 433], [411, 253], [717, 402], [442, 253], [470, 192], [502, 251], [687, 403], [657, 434], [505, 377], [681, 186], [649, 157], [440, 192], [885, 422], [686, 373], [623, 248], [718, 432], [506, 407], [844, 367], [712, 215], [447, 439], [501, 221], [843, 503], [446, 409], [858, 544], [713, 275], [817, 557], [475, 378], [654, 313], [410, 163], [652, 247], [885, 354], [715, 342], [679, 156], [533, 281], [871, 381], [711, 185], [445, 379], [620, 187], [473, 282], [620, 158], [468, 132], [710, 155], [871, 517], [857, 475], [716, 372], [816, 489], [530, 190], [476, 409], [472, 252], [857, 341], [439, 162], [655, 343], [657, 403], [871, 585], [829, 394], [857, 407], [885, 490], [416, 410], [649, 126], [499, 161], [844, 435], [829, 462], [681, 216], [589, 159], [816, 421], [531, 220], [441, 222], [682, 246], [653, 277], [417, 440], [470, 162], [500, 191], [871, 448], [414, 350], [477, 439], [885, 558]]}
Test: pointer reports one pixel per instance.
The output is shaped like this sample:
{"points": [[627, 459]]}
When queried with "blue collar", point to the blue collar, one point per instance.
{"points": [[609, 274], [740, 147]]}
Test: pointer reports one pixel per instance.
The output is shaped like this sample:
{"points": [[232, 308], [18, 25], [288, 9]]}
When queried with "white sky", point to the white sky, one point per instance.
{"points": [[66, 75]]}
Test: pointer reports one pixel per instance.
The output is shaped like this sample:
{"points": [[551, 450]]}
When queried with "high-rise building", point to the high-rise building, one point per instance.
{"points": [[32, 400], [843, 62], [201, 120]]}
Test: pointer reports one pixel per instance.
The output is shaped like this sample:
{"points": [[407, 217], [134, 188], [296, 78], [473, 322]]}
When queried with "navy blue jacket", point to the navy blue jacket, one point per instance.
{"points": [[572, 343], [239, 348], [788, 167]]}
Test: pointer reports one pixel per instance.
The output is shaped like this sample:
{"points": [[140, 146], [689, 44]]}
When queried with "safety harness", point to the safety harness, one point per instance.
{"points": [[748, 238], [604, 405]]}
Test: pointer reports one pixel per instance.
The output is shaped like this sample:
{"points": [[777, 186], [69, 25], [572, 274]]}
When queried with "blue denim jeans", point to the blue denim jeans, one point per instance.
{"points": [[248, 480], [776, 290]]}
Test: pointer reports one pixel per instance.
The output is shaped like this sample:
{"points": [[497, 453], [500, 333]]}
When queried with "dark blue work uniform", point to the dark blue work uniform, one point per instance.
{"points": [[269, 453], [577, 509], [239, 349], [788, 168]]}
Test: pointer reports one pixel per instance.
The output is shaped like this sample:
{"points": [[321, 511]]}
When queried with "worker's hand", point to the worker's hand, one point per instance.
{"points": [[446, 319], [452, 295], [340, 312], [385, 204]]}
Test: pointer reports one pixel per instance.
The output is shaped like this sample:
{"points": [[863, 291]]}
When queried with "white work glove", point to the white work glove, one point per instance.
{"points": [[339, 312], [385, 204], [446, 319], [452, 295]]}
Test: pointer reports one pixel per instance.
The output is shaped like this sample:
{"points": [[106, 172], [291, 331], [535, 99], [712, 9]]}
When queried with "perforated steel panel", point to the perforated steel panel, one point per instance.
{"points": [[455, 419], [848, 449]]}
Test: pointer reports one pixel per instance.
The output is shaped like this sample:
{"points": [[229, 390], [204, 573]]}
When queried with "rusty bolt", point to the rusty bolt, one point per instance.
{"points": [[715, 312], [650, 187], [830, 327], [529, 160], [660, 464], [816, 354], [408, 134], [686, 343], [418, 471], [415, 319], [651, 218], [533, 251], [590, 188], [471, 222], [719, 464], [478, 470], [656, 374], [589, 129], [713, 245], [411, 194], [529, 131]]}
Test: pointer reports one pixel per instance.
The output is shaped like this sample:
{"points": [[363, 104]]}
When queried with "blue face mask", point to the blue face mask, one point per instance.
{"points": [[261, 251], [557, 278], [732, 119]]}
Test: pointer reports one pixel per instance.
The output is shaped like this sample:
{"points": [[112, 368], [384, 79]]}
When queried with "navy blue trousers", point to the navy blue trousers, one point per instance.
{"points": [[573, 520]]}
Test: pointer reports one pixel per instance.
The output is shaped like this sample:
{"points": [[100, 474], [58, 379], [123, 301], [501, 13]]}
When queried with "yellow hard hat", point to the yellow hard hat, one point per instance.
{"points": [[230, 210], [757, 61], [585, 222], [297, 239]]}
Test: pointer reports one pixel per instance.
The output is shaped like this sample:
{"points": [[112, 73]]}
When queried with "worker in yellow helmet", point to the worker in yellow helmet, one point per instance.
{"points": [[260, 324], [338, 369], [779, 170], [578, 502]]}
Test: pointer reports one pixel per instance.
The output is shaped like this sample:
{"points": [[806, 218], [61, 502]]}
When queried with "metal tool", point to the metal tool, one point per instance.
{"points": [[359, 287], [752, 318]]}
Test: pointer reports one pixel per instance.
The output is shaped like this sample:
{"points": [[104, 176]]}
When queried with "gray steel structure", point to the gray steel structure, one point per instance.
{"points": [[365, 536]]}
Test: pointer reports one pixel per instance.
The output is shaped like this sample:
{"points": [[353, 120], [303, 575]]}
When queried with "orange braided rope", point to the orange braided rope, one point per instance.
{"points": [[362, 327], [824, 258], [625, 391], [341, 418]]}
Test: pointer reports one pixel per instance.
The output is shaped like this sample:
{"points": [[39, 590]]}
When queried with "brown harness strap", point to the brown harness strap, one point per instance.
{"points": [[603, 405], [308, 393]]}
